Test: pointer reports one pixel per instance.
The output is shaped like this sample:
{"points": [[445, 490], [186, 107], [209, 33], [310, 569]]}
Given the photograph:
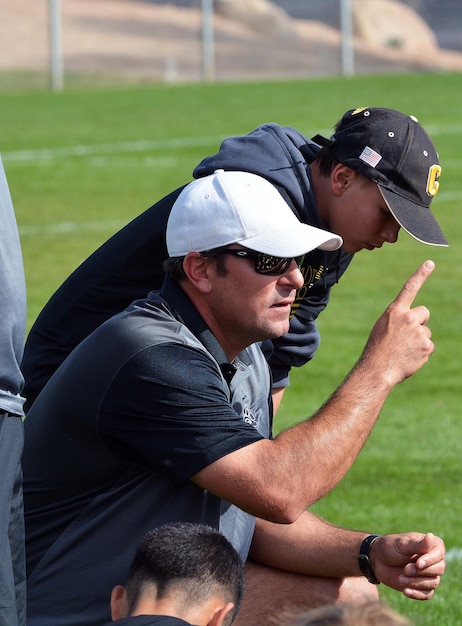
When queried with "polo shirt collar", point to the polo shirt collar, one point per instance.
{"points": [[172, 292]]}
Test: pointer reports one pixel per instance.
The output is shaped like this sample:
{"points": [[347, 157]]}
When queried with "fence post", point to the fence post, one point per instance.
{"points": [[347, 38], [56, 62], [208, 53]]}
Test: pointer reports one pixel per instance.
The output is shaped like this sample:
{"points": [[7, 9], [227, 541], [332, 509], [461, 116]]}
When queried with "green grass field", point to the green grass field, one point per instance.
{"points": [[84, 162]]}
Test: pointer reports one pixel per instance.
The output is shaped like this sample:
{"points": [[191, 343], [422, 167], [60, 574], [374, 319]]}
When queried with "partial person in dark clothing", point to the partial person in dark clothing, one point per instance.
{"points": [[181, 573], [12, 334], [164, 413], [378, 173]]}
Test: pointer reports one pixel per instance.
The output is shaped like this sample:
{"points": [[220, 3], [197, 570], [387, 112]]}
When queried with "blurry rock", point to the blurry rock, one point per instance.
{"points": [[259, 15], [392, 24]]}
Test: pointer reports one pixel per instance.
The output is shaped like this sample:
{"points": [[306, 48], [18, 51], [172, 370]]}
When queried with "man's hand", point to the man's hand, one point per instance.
{"points": [[400, 342], [412, 563]]}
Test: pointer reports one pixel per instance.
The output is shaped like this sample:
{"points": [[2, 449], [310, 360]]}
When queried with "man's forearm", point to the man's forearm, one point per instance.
{"points": [[410, 562], [325, 446], [309, 546]]}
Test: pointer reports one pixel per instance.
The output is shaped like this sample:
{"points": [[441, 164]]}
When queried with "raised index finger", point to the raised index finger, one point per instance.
{"points": [[413, 284]]}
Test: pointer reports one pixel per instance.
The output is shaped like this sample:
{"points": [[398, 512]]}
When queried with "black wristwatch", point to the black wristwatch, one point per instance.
{"points": [[364, 562]]}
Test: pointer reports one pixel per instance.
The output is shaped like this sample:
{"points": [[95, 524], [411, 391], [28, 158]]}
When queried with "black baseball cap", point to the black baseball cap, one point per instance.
{"points": [[393, 150]]}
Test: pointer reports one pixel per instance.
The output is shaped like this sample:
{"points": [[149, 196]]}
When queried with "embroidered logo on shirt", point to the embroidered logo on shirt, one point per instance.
{"points": [[245, 410], [248, 417]]}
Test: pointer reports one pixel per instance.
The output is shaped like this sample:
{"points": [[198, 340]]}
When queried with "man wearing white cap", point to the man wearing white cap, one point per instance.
{"points": [[164, 413]]}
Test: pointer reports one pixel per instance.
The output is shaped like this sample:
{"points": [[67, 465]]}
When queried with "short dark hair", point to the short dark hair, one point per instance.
{"points": [[325, 159], [173, 266], [194, 561]]}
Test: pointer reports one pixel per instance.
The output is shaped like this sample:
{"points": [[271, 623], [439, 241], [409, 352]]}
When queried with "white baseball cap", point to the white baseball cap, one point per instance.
{"points": [[243, 208]]}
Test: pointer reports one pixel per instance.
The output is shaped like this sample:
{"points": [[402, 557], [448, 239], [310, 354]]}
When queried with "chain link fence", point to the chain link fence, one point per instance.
{"points": [[115, 41]]}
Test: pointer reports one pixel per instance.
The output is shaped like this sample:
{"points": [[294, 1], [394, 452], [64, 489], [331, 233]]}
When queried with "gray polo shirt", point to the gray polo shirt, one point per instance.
{"points": [[138, 408]]}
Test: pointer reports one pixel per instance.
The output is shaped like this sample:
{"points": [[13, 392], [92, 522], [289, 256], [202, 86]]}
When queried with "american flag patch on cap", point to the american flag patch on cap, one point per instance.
{"points": [[369, 156]]}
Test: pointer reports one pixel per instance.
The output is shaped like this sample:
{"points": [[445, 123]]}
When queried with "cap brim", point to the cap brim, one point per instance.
{"points": [[292, 242], [415, 219]]}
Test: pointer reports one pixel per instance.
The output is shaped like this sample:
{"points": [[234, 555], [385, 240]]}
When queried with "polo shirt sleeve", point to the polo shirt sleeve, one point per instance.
{"points": [[170, 408]]}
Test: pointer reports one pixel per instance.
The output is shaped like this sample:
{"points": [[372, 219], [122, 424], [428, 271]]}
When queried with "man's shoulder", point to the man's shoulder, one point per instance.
{"points": [[141, 322]]}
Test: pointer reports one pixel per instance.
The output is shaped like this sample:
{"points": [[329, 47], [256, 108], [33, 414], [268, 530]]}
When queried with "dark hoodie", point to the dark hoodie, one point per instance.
{"points": [[129, 264], [281, 155]]}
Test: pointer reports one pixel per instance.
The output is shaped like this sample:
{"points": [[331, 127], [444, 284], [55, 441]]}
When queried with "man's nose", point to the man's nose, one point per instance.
{"points": [[390, 233], [293, 275]]}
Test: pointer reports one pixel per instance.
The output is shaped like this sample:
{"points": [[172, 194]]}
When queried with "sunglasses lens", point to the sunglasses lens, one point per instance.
{"points": [[274, 265]]}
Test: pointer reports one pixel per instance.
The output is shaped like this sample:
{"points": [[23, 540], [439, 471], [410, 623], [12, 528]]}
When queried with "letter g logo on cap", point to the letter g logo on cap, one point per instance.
{"points": [[433, 180]]}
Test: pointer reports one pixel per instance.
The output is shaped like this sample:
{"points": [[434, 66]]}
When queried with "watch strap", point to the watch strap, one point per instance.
{"points": [[364, 561]]}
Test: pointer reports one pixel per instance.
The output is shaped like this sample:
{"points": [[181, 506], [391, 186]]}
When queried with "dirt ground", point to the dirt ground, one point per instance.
{"points": [[138, 40]]}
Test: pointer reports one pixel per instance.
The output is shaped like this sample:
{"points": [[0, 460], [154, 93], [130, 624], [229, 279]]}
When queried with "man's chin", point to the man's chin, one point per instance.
{"points": [[279, 331], [353, 249]]}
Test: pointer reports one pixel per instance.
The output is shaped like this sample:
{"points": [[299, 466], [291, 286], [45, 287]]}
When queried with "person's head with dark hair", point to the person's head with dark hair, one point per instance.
{"points": [[393, 151], [185, 570]]}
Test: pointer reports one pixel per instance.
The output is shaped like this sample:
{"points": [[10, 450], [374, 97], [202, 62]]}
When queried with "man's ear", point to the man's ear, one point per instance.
{"points": [[341, 178], [119, 603], [197, 269], [222, 615]]}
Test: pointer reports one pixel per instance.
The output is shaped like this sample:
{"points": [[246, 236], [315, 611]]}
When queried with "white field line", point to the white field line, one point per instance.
{"points": [[51, 154], [99, 155], [454, 554], [65, 228], [46, 154]]}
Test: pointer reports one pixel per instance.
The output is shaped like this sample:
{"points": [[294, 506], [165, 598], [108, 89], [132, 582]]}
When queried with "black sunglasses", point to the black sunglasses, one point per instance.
{"points": [[264, 263]]}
